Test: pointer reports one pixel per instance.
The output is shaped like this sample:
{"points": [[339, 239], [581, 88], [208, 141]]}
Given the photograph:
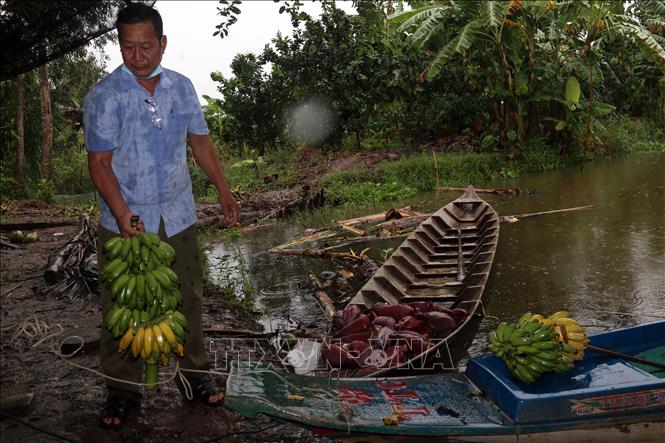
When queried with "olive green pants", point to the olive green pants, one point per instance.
{"points": [[188, 267]]}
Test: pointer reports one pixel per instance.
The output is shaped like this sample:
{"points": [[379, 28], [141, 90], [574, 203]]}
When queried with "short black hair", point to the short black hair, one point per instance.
{"points": [[137, 13]]}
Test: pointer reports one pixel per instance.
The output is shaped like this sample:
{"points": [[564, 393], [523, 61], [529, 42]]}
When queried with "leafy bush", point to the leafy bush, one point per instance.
{"points": [[70, 171], [626, 134], [202, 188], [248, 176], [537, 156], [42, 189], [341, 192], [404, 178], [458, 169], [7, 187]]}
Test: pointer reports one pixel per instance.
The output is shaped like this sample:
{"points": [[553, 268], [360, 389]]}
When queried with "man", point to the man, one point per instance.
{"points": [[137, 124]]}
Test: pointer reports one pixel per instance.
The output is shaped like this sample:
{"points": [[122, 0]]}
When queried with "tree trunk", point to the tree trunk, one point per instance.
{"points": [[20, 135], [47, 122]]}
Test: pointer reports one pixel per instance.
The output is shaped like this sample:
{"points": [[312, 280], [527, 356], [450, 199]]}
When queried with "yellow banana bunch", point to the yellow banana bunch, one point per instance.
{"points": [[137, 342], [570, 333], [126, 340]]}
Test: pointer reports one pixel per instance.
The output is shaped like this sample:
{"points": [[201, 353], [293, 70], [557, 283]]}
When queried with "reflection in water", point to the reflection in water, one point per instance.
{"points": [[607, 259]]}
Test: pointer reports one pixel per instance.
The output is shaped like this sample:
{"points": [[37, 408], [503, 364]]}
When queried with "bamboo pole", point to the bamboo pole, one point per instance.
{"points": [[616, 354], [514, 218], [314, 252], [500, 191], [436, 172]]}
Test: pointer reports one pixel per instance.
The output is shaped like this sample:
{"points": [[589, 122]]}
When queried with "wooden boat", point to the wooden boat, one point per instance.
{"points": [[446, 260], [602, 398]]}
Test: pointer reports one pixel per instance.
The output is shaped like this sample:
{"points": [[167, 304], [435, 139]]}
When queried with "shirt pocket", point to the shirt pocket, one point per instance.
{"points": [[178, 125]]}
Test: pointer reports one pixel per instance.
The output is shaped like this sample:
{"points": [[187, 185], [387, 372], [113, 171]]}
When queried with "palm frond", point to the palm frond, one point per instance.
{"points": [[651, 7], [654, 24], [458, 45], [417, 16], [576, 67], [645, 38], [515, 5], [493, 12], [426, 29], [553, 31], [660, 39]]}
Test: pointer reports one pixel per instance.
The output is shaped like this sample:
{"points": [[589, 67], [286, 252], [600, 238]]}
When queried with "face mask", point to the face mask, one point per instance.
{"points": [[158, 70]]}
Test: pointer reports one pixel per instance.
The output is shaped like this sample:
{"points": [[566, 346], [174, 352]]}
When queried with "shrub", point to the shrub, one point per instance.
{"points": [[627, 134], [43, 190]]}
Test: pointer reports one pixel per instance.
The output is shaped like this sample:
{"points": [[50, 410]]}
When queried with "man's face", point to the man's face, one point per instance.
{"points": [[141, 49]]}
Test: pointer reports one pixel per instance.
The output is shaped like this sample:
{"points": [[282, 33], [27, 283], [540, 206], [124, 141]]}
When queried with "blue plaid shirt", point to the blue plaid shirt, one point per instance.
{"points": [[150, 162]]}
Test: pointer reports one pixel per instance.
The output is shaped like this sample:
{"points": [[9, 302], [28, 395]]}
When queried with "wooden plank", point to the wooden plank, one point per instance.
{"points": [[372, 218], [355, 231]]}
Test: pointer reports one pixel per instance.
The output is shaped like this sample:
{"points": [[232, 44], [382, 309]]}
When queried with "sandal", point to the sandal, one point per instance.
{"points": [[204, 388], [118, 407]]}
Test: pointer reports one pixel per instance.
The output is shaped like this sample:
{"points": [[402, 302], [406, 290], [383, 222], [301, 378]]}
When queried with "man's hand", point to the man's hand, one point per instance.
{"points": [[230, 208], [125, 225], [102, 175], [204, 153]]}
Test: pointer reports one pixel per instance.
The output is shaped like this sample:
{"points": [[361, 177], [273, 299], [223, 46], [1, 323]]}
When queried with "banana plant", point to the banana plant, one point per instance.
{"points": [[482, 25], [530, 48]]}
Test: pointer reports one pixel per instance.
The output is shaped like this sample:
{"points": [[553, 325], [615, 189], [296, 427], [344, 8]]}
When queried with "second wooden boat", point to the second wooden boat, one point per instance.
{"points": [[445, 261]]}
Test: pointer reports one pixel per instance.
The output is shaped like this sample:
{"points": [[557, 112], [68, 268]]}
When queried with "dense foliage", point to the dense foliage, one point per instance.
{"points": [[496, 69], [548, 83], [70, 78]]}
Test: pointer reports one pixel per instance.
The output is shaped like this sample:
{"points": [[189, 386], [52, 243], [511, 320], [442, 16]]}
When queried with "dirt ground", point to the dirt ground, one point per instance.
{"points": [[67, 399]]}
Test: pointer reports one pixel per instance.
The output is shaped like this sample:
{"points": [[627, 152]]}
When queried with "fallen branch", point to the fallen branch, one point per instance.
{"points": [[28, 225], [326, 304], [392, 228], [505, 191], [15, 287], [16, 402], [8, 245], [351, 241], [72, 269], [314, 252], [308, 236], [307, 200], [217, 221], [514, 218]]}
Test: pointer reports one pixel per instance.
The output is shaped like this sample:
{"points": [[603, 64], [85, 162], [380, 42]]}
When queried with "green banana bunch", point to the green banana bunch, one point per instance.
{"points": [[139, 270], [144, 288], [535, 345]]}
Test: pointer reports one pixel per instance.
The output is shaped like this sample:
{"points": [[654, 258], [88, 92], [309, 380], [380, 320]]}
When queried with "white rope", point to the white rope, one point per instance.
{"points": [[484, 312]]}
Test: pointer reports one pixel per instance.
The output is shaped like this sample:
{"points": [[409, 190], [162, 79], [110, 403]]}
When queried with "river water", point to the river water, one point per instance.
{"points": [[606, 264]]}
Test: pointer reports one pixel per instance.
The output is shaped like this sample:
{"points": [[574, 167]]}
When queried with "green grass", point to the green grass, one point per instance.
{"points": [[404, 178], [413, 173], [626, 134], [276, 172]]}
